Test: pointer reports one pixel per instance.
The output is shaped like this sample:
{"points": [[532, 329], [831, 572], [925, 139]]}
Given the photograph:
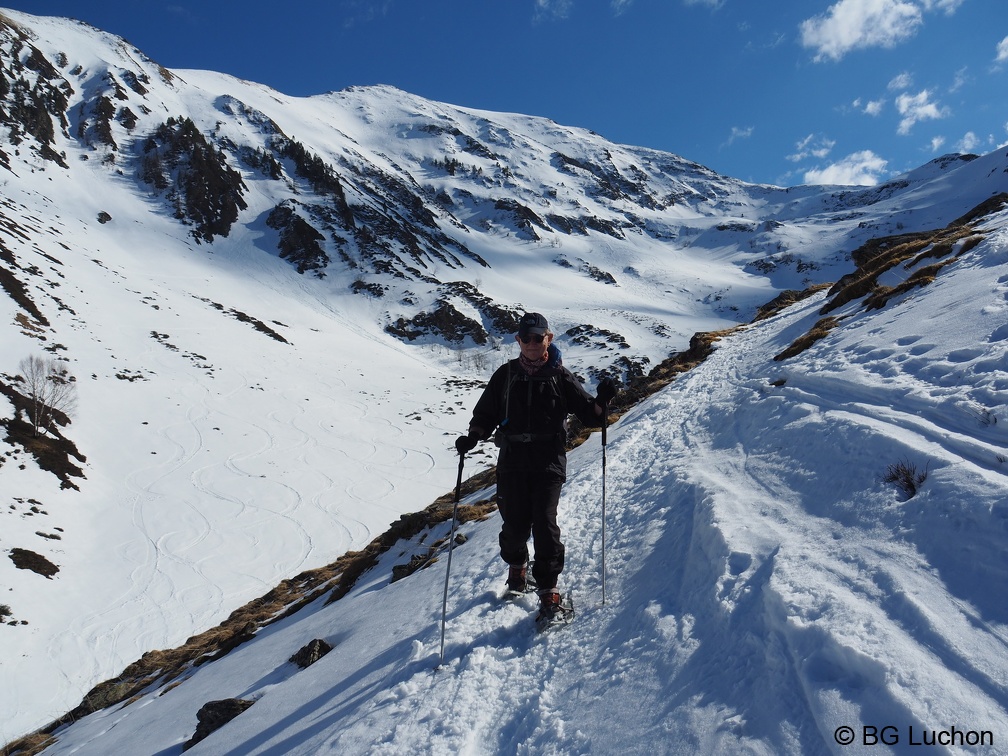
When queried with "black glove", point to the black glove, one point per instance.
{"points": [[606, 391], [465, 443]]}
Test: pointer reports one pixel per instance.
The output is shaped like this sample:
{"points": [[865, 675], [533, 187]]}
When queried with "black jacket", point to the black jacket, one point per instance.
{"points": [[530, 413]]}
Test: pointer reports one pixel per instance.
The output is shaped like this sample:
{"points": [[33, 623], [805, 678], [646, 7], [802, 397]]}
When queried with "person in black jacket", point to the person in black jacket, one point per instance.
{"points": [[527, 402]]}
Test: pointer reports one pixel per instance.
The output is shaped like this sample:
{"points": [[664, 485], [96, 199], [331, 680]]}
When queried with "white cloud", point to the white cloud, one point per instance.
{"points": [[360, 12], [949, 6], [969, 143], [738, 133], [1002, 51], [961, 79], [900, 81], [915, 108], [710, 3], [550, 9], [862, 168], [855, 24], [937, 143], [619, 6], [874, 107], [817, 146]]}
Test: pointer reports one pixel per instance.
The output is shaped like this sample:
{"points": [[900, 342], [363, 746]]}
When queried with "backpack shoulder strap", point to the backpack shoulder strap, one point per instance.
{"points": [[507, 394]]}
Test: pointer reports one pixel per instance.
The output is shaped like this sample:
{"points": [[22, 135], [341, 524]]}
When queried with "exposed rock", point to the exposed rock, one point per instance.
{"points": [[214, 715], [522, 217], [28, 560], [203, 189], [311, 653], [444, 320], [299, 240]]}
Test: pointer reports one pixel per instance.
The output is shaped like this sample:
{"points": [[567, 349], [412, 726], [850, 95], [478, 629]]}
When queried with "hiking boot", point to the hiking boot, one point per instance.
{"points": [[549, 605], [517, 580]]}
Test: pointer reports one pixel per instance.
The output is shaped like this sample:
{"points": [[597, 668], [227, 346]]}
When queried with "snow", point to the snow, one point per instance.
{"points": [[765, 585]]}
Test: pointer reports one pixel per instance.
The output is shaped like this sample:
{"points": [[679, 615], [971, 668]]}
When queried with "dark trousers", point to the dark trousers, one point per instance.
{"points": [[527, 502]]}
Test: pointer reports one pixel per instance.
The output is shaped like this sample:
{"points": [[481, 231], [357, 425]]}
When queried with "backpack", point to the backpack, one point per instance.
{"points": [[502, 437]]}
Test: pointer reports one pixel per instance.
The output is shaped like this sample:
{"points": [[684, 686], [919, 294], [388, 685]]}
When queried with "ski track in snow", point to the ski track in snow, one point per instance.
{"points": [[195, 503]]}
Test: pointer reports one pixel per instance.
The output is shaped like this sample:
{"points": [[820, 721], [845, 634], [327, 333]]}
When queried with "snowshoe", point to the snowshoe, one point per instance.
{"points": [[555, 611], [520, 581]]}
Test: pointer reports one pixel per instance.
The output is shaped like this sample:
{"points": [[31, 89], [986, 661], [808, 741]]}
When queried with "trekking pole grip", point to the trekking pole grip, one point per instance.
{"points": [[605, 422]]}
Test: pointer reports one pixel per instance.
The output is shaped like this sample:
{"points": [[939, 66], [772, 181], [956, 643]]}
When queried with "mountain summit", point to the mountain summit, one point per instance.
{"points": [[276, 313]]}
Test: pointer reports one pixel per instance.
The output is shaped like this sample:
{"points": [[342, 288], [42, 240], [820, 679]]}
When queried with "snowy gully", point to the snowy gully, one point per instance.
{"points": [[891, 735]]}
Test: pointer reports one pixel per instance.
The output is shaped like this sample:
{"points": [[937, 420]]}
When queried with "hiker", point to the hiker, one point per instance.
{"points": [[527, 402]]}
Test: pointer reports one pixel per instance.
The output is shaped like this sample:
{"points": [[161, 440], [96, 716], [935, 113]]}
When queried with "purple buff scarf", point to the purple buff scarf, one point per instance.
{"points": [[551, 362]]}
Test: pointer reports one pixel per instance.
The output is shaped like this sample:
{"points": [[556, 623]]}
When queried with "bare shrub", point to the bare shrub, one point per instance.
{"points": [[906, 477], [51, 390]]}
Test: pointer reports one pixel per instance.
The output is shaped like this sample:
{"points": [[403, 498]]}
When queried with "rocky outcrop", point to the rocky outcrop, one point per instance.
{"points": [[214, 715], [200, 185], [310, 653]]}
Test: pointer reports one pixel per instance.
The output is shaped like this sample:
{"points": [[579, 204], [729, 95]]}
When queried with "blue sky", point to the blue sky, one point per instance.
{"points": [[777, 91]]}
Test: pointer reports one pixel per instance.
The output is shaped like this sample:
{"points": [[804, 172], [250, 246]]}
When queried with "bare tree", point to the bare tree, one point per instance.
{"points": [[51, 389]]}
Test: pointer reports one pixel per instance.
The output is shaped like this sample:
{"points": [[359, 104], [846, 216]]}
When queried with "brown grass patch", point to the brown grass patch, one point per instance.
{"points": [[882, 294], [876, 256], [785, 299], [819, 331], [29, 745], [873, 259]]}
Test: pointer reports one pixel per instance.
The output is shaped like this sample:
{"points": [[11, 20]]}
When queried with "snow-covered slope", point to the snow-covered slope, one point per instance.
{"points": [[272, 361], [766, 587]]}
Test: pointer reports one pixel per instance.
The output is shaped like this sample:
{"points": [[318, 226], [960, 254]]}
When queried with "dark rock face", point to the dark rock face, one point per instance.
{"points": [[28, 560], [299, 240], [311, 653], [214, 715], [203, 189]]}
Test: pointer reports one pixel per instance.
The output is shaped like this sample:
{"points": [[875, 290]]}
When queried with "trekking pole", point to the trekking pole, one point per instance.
{"points": [[451, 544], [605, 423]]}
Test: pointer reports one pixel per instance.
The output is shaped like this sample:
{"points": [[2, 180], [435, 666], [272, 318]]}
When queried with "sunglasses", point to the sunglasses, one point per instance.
{"points": [[532, 338]]}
